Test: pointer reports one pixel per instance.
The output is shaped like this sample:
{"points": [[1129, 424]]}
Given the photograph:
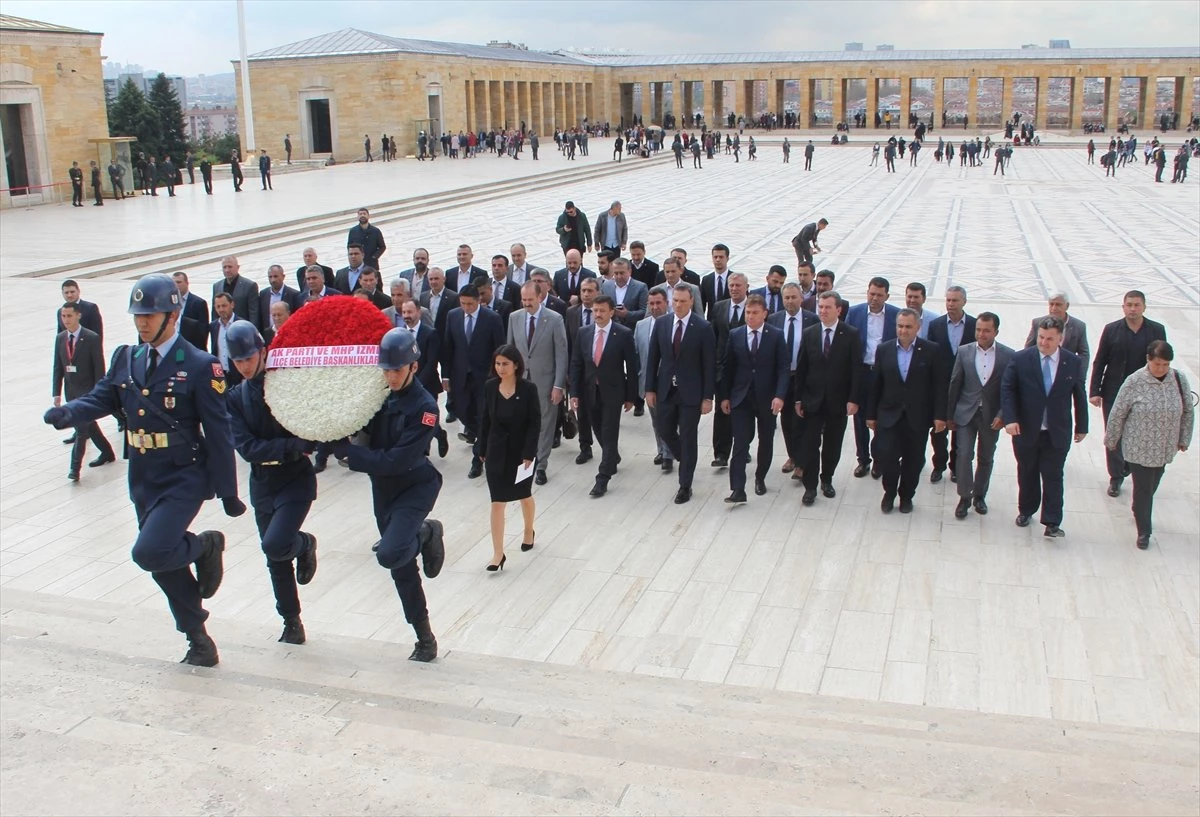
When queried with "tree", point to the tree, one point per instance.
{"points": [[168, 113], [131, 115]]}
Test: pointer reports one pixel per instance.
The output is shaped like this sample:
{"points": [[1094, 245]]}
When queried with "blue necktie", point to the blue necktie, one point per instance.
{"points": [[470, 326], [1047, 379]]}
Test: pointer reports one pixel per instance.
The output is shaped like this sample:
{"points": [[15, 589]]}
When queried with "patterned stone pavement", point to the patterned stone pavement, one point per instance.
{"points": [[836, 599]]}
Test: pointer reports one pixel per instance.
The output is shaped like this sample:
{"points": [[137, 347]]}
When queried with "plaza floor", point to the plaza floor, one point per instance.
{"points": [[837, 601]]}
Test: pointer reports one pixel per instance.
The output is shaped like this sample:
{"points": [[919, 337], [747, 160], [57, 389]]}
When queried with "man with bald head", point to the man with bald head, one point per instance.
{"points": [[276, 292], [567, 279], [1074, 338], [243, 291], [310, 260]]}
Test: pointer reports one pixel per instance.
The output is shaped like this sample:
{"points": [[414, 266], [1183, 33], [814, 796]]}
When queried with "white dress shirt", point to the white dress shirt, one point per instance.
{"points": [[985, 363], [874, 335]]}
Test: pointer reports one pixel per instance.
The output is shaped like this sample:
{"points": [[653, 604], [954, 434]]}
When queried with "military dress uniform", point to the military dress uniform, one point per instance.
{"points": [[180, 454], [282, 489], [404, 486]]}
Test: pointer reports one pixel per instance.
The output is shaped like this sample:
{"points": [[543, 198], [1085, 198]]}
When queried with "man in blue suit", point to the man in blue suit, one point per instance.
{"points": [[472, 335], [876, 323], [680, 381], [1039, 389], [751, 387], [950, 331]]}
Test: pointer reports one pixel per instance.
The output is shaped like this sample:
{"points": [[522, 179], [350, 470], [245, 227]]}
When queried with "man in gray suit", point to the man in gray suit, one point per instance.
{"points": [[630, 294], [415, 275], [672, 269], [243, 291], [974, 410], [1074, 336], [612, 232], [401, 294], [656, 307], [78, 366], [541, 337]]}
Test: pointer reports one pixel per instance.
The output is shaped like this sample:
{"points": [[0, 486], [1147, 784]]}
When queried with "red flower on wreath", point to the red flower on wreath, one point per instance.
{"points": [[334, 320]]}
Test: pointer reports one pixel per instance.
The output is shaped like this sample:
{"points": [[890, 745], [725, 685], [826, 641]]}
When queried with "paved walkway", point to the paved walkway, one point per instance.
{"points": [[837, 600]]}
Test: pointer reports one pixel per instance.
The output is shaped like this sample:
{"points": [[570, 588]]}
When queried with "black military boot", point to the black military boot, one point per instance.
{"points": [[426, 647], [306, 568], [202, 651], [293, 631], [433, 551], [210, 567]]}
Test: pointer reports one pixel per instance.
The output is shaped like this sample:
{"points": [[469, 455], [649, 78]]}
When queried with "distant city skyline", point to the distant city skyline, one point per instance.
{"points": [[203, 36]]}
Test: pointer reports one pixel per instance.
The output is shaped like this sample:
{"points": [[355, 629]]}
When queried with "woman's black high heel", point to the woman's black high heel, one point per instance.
{"points": [[528, 545], [494, 568]]}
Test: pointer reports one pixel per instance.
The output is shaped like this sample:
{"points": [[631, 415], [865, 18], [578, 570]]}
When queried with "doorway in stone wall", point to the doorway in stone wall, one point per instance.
{"points": [[320, 130]]}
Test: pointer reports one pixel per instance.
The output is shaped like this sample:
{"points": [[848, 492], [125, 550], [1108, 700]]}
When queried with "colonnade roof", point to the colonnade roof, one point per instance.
{"points": [[350, 41], [11, 23]]}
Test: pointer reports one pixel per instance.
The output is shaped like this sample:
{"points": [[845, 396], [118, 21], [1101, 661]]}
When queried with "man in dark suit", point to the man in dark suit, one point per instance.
{"points": [[346, 279], [751, 389], [823, 282], [310, 259], [90, 313], [243, 291], [314, 285], [792, 321], [604, 369], [579, 317], [488, 301], [642, 268], [828, 375], [568, 279], [429, 344], [973, 410], [438, 299], [725, 316], [276, 291], [630, 296], [370, 289], [681, 380], [1075, 331], [714, 287], [772, 293], [217, 328], [1037, 393], [907, 398], [805, 242], [950, 331], [369, 238], [78, 366], [472, 335], [546, 288], [687, 276], [1122, 351], [503, 286], [465, 272], [876, 324], [193, 315]]}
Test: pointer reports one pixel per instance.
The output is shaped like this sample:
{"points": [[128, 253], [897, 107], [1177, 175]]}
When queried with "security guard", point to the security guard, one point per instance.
{"points": [[404, 483], [282, 483], [180, 451]]}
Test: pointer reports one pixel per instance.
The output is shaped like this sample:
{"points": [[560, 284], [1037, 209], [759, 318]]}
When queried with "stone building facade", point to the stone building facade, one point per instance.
{"points": [[328, 92], [51, 105]]}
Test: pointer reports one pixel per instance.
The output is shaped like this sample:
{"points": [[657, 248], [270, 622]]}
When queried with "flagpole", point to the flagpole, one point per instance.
{"points": [[248, 107]]}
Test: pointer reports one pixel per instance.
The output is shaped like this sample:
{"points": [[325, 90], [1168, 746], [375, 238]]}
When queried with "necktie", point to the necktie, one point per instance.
{"points": [[791, 340], [70, 348], [470, 326], [678, 337], [587, 317], [1047, 379], [599, 347], [151, 363], [737, 310], [529, 337], [720, 288], [572, 283], [828, 342], [754, 343]]}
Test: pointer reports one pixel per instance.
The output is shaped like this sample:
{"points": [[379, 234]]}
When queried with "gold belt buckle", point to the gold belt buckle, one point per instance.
{"points": [[142, 440], [272, 462]]}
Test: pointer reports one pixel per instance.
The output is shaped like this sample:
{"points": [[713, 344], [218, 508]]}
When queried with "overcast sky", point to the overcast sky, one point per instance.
{"points": [[191, 37]]}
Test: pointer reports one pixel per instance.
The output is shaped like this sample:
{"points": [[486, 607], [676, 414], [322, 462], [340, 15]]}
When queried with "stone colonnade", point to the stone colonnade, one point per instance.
{"points": [[541, 106]]}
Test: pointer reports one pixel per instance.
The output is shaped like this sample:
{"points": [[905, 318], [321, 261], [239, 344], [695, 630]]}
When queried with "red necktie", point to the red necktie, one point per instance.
{"points": [[70, 348], [678, 337], [598, 349]]}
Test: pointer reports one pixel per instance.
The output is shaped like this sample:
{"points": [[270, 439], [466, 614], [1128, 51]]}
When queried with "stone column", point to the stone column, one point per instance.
{"points": [[839, 100], [1112, 103], [1149, 96], [1042, 108], [1184, 116], [717, 121], [1006, 100], [939, 100], [750, 111], [1077, 84], [687, 105], [739, 98], [780, 93], [872, 103], [901, 118], [470, 118], [973, 100]]}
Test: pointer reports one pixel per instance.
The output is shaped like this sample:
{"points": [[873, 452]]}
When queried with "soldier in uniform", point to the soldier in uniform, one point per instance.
{"points": [[404, 483], [282, 483], [206, 175], [76, 185], [180, 450], [116, 175]]}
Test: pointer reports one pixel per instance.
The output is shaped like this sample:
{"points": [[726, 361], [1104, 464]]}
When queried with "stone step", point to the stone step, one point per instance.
{"points": [[530, 737], [210, 249]]}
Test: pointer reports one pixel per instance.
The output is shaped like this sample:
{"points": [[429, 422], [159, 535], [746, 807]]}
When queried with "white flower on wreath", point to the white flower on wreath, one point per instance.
{"points": [[325, 403]]}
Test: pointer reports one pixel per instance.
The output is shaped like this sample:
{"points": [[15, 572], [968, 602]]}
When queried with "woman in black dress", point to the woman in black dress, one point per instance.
{"points": [[512, 422]]}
